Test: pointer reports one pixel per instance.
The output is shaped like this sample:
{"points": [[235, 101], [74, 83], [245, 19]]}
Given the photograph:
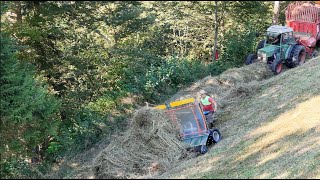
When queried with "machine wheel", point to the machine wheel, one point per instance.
{"points": [[216, 136], [251, 59], [314, 53], [318, 44], [298, 56], [203, 149], [276, 66], [260, 45]]}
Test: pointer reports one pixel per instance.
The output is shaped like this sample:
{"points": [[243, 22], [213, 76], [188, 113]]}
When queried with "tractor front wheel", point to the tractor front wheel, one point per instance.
{"points": [[276, 66], [251, 59]]}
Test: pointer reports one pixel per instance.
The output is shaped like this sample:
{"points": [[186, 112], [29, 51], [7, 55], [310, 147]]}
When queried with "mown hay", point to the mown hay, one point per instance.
{"points": [[231, 84], [149, 145], [229, 87]]}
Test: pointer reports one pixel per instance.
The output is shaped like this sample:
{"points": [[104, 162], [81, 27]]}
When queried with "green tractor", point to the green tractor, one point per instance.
{"points": [[280, 47]]}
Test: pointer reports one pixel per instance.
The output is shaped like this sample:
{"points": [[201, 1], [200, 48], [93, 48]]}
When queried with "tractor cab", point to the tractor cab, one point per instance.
{"points": [[278, 40]]}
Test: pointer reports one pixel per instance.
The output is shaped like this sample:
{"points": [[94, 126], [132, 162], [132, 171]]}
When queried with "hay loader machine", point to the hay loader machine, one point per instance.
{"points": [[298, 39], [188, 116]]}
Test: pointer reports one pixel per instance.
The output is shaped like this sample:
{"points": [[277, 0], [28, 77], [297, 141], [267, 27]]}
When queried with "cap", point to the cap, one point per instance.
{"points": [[203, 91]]}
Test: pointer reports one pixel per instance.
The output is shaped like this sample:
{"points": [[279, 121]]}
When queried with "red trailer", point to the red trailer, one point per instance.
{"points": [[304, 19]]}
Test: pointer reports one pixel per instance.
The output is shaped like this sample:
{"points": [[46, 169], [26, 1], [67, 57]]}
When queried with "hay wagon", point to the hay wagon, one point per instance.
{"points": [[188, 116]]}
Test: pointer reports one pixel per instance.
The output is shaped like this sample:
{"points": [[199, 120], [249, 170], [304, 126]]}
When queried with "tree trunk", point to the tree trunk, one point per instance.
{"points": [[276, 12], [18, 12], [215, 31], [222, 18], [36, 7]]}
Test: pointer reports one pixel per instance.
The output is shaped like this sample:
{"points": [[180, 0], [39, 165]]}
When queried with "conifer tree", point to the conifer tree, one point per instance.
{"points": [[28, 111]]}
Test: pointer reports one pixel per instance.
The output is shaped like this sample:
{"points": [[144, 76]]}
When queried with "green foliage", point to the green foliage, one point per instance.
{"points": [[236, 46], [85, 130], [168, 77], [16, 168], [28, 111], [103, 105]]}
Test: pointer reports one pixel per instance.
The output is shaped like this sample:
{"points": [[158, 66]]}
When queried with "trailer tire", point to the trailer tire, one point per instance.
{"points": [[216, 136], [203, 149], [318, 44]]}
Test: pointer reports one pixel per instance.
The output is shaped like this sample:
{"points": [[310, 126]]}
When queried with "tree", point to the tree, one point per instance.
{"points": [[215, 30], [28, 111], [276, 12]]}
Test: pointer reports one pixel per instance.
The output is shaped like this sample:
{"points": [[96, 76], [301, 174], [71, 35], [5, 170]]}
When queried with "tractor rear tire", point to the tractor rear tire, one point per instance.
{"points": [[276, 66], [260, 45], [251, 58], [298, 56]]}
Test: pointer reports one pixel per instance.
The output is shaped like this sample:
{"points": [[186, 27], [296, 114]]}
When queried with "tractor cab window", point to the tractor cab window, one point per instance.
{"points": [[273, 38], [286, 37]]}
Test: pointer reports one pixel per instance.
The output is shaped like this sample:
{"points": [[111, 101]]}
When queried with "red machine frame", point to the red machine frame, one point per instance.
{"points": [[305, 17]]}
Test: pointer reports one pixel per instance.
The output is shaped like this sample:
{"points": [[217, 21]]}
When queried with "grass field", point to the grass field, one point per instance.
{"points": [[272, 133]]}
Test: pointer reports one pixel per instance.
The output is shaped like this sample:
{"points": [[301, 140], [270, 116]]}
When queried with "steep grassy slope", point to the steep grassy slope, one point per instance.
{"points": [[272, 132]]}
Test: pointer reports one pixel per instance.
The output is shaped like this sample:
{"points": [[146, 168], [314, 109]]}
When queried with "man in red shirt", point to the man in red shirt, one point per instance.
{"points": [[217, 55], [209, 106]]}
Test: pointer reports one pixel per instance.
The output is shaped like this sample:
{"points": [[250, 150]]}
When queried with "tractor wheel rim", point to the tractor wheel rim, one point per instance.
{"points": [[279, 68], [302, 57], [216, 136]]}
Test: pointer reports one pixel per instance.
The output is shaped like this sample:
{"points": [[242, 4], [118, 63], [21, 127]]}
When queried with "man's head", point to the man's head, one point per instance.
{"points": [[203, 93]]}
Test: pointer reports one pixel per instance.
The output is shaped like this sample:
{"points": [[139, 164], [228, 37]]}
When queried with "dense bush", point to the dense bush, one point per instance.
{"points": [[165, 79], [236, 46]]}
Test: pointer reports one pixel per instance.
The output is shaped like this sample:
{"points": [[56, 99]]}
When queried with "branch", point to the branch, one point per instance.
{"points": [[103, 36]]}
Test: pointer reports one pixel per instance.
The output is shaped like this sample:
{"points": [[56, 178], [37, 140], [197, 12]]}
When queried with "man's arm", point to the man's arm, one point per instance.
{"points": [[214, 104]]}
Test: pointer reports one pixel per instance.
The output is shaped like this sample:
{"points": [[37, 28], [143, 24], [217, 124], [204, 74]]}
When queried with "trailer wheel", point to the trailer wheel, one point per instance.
{"points": [[216, 136], [314, 53], [203, 149], [318, 44]]}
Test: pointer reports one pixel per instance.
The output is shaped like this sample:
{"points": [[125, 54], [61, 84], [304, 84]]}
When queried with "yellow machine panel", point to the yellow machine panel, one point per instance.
{"points": [[177, 103]]}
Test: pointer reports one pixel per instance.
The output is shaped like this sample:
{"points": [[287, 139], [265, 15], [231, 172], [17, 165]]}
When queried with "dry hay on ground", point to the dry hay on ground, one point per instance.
{"points": [[230, 85], [150, 144]]}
